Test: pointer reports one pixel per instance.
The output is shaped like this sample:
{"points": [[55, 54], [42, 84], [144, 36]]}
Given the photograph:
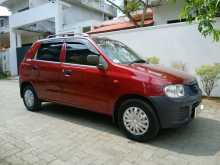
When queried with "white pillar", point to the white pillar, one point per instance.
{"points": [[18, 37], [59, 17], [13, 53]]}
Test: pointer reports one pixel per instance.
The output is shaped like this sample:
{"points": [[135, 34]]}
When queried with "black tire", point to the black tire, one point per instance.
{"points": [[36, 103], [153, 127]]}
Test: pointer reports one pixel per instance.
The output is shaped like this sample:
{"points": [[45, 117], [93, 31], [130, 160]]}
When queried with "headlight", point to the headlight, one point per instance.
{"points": [[174, 91]]}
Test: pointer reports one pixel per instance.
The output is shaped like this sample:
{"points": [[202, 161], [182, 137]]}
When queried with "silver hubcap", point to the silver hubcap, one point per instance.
{"points": [[136, 121], [29, 98]]}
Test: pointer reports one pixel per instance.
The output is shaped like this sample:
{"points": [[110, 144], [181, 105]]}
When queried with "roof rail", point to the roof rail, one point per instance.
{"points": [[82, 34], [68, 35]]}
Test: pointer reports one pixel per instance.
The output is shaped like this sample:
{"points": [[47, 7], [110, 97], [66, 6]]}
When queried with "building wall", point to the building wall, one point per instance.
{"points": [[35, 3], [33, 15], [77, 17], [172, 43], [167, 11], [78, 27], [22, 4]]}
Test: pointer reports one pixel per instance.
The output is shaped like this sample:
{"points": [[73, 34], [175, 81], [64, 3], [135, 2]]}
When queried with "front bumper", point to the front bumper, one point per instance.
{"points": [[176, 112]]}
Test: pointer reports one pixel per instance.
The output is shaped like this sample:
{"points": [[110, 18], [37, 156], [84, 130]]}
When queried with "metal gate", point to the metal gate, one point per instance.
{"points": [[4, 61], [21, 53]]}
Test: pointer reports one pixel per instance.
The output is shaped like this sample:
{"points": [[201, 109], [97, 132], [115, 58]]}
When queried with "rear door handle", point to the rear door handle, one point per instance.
{"points": [[67, 72]]}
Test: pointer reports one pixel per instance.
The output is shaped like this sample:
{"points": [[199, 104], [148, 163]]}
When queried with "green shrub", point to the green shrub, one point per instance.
{"points": [[3, 75], [209, 75], [153, 60]]}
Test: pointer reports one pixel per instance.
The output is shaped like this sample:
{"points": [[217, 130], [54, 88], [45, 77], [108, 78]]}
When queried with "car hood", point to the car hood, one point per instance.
{"points": [[170, 75]]}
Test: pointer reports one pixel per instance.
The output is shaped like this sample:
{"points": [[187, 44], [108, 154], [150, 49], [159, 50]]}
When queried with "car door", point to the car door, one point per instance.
{"points": [[84, 85], [48, 65]]}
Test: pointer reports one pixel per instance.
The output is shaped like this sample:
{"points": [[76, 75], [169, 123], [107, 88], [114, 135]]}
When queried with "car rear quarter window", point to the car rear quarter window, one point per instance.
{"points": [[49, 52]]}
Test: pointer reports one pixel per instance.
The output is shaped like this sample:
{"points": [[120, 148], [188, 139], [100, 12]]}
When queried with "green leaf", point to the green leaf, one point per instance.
{"points": [[204, 12]]}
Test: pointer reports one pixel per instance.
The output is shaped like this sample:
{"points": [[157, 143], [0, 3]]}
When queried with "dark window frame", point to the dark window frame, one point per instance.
{"points": [[2, 22], [23, 9], [57, 60], [176, 21], [89, 46], [86, 29]]}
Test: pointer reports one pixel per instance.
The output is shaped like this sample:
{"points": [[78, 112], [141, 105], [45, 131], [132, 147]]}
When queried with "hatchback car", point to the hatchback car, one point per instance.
{"points": [[106, 76]]}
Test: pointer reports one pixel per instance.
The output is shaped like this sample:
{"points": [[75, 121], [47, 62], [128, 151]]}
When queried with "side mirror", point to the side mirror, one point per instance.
{"points": [[97, 61], [93, 60]]}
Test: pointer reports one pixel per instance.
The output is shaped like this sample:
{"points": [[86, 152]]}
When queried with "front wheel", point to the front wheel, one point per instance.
{"points": [[30, 99], [137, 120]]}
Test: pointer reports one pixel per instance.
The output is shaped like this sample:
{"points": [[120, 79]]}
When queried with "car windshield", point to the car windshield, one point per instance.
{"points": [[117, 51]]}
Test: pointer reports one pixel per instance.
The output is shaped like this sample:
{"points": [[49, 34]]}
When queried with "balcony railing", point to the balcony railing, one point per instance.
{"points": [[33, 15], [99, 5]]}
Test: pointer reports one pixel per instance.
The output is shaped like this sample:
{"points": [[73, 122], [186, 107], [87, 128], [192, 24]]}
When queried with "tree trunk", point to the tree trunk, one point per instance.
{"points": [[127, 13]]}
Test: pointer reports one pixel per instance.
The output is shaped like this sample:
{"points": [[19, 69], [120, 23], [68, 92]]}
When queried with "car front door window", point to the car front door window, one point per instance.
{"points": [[77, 53]]}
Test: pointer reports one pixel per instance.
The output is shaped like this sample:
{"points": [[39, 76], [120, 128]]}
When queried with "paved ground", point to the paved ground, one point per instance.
{"points": [[61, 135]]}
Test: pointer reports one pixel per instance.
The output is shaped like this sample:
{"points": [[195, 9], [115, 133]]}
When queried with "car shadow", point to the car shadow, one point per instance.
{"points": [[199, 138], [81, 117]]}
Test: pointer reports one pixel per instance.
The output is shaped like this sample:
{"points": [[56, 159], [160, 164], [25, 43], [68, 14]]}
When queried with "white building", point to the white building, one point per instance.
{"points": [[34, 19], [167, 12]]}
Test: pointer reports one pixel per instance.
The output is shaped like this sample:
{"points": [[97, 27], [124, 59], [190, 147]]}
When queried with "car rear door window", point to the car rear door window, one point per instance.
{"points": [[49, 52]]}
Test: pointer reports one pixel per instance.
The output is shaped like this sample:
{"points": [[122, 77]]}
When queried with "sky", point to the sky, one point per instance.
{"points": [[4, 11]]}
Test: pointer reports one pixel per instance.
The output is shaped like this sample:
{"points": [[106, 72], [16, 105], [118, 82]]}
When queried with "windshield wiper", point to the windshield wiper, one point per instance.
{"points": [[138, 61]]}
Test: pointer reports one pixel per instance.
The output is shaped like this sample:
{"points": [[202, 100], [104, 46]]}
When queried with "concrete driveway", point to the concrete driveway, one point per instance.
{"points": [[61, 135]]}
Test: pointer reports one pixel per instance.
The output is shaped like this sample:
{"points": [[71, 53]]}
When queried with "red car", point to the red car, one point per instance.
{"points": [[105, 76]]}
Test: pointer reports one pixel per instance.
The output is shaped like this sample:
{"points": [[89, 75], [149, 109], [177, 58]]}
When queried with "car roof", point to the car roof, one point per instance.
{"points": [[59, 39], [68, 39]]}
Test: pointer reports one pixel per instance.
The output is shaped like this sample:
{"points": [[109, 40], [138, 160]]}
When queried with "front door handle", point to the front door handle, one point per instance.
{"points": [[34, 67], [67, 72]]}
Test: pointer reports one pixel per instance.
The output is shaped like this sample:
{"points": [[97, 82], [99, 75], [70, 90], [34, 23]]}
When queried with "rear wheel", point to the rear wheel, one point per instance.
{"points": [[31, 101], [137, 120]]}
